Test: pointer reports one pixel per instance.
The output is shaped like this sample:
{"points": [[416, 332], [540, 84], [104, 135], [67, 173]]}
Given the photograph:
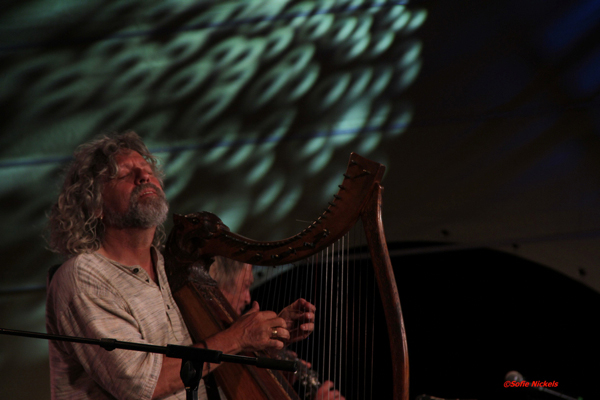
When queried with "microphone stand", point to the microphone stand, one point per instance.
{"points": [[192, 358]]}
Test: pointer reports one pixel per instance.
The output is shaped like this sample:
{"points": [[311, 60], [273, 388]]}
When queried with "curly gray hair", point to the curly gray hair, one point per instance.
{"points": [[75, 222]]}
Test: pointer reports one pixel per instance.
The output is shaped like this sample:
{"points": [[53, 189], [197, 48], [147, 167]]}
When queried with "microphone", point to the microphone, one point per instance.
{"points": [[281, 365], [515, 376], [427, 397], [262, 362]]}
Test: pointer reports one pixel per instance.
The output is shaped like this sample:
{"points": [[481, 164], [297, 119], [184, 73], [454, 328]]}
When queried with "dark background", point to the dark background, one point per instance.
{"points": [[470, 320]]}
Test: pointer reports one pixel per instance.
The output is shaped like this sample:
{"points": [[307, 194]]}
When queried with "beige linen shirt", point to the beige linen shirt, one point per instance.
{"points": [[93, 297]]}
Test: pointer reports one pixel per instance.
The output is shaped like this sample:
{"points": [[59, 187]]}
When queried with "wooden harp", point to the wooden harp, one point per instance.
{"points": [[196, 238]]}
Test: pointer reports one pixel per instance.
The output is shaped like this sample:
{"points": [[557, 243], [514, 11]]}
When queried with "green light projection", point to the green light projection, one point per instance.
{"points": [[254, 107]]}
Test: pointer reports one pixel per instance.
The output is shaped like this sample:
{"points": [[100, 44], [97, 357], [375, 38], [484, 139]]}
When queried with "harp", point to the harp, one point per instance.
{"points": [[196, 238]]}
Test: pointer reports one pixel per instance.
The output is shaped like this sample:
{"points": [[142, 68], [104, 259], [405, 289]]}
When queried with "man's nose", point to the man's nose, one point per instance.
{"points": [[142, 176]]}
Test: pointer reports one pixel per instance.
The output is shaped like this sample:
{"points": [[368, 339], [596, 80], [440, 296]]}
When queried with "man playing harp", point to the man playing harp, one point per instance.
{"points": [[234, 279], [107, 222]]}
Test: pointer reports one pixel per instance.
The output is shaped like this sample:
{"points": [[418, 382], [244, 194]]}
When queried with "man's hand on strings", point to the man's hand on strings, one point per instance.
{"points": [[260, 330], [299, 319], [327, 392]]}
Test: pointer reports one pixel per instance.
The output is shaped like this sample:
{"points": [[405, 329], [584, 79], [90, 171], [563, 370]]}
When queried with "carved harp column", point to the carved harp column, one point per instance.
{"points": [[196, 238]]}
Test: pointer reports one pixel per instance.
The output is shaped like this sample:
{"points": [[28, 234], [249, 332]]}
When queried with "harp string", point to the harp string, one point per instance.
{"points": [[330, 320], [339, 281], [373, 290], [350, 387], [336, 315], [339, 315]]}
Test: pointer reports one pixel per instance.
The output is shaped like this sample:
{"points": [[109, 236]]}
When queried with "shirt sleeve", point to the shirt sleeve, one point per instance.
{"points": [[97, 311]]}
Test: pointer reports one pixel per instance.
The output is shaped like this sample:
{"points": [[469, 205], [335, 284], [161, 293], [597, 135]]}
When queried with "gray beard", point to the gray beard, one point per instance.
{"points": [[153, 212]]}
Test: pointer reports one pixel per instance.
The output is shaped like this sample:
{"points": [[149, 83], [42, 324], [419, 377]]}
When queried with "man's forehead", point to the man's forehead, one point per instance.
{"points": [[128, 156], [248, 272], [126, 153]]}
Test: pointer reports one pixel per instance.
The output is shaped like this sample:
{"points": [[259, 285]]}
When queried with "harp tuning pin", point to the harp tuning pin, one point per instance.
{"points": [[357, 164]]}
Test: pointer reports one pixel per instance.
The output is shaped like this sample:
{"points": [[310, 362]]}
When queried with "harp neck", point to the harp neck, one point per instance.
{"points": [[203, 235]]}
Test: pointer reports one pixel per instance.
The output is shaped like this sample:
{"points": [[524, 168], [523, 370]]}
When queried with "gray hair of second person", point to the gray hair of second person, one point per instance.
{"points": [[74, 222], [225, 271]]}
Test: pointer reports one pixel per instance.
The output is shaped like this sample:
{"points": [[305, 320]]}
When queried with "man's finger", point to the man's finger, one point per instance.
{"points": [[255, 307], [302, 304], [278, 321], [276, 344], [282, 333], [307, 327]]}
